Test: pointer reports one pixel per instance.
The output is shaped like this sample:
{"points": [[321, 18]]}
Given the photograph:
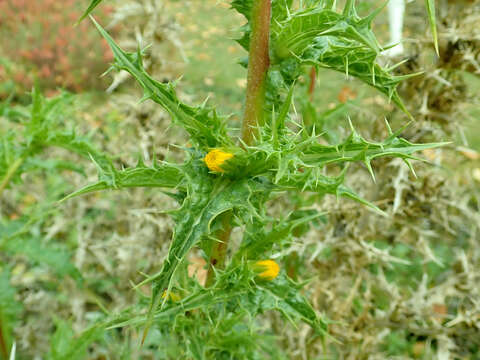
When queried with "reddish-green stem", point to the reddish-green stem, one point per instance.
{"points": [[258, 63], [3, 344], [313, 78]]}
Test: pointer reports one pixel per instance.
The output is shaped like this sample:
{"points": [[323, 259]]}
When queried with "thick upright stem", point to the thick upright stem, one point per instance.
{"points": [[313, 78], [258, 63]]}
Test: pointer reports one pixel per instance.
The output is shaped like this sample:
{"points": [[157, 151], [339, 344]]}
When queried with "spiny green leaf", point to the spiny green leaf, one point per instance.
{"points": [[298, 31], [162, 176], [286, 298], [198, 300], [313, 180], [236, 289], [356, 148], [45, 115], [259, 237], [44, 127], [342, 42], [81, 146], [354, 60], [203, 124], [207, 198]]}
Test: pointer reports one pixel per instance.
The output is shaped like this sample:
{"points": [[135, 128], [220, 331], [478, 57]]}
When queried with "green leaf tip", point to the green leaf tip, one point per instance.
{"points": [[430, 5], [160, 176], [87, 12], [203, 124]]}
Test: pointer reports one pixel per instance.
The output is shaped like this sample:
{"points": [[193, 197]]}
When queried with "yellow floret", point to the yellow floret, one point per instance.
{"points": [[173, 296], [270, 267], [215, 158]]}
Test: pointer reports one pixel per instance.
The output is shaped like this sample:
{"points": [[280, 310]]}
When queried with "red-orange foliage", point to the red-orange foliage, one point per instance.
{"points": [[40, 41]]}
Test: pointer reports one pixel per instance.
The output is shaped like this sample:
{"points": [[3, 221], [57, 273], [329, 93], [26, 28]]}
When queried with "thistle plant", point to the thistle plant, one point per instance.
{"points": [[230, 174], [40, 126]]}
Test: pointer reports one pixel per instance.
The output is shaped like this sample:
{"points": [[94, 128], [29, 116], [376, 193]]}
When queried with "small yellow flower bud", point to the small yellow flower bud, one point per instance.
{"points": [[270, 269], [215, 158], [172, 296]]}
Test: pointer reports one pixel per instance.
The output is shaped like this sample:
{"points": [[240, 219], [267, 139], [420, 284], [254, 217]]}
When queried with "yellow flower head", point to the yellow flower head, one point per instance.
{"points": [[172, 296], [215, 158], [270, 269]]}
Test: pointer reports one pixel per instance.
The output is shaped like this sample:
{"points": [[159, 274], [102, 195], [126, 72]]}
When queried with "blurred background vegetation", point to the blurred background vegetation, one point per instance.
{"points": [[402, 287]]}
